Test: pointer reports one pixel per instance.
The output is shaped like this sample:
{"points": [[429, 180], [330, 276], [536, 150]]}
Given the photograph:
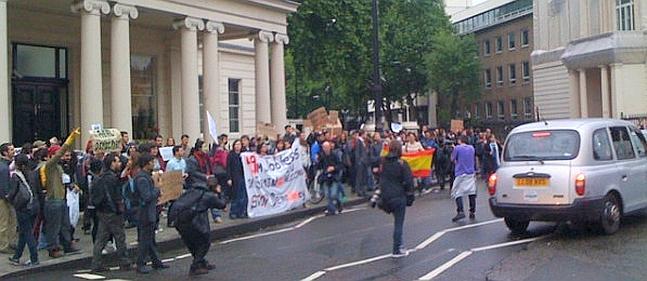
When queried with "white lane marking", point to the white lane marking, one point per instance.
{"points": [[446, 266], [114, 268], [183, 256], [358, 262], [314, 276], [420, 246], [168, 260], [439, 270], [430, 240], [303, 223], [88, 276], [508, 244], [84, 271], [473, 225]]}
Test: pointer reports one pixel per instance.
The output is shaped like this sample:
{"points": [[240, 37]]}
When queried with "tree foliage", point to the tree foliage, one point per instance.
{"points": [[453, 69]]}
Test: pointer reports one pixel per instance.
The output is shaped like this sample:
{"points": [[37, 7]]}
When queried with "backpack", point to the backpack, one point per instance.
{"points": [[129, 192], [23, 199], [185, 208]]}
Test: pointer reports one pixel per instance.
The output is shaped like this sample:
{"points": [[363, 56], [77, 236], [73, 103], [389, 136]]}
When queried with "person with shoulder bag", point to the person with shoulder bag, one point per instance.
{"points": [[24, 198], [110, 208], [396, 191]]}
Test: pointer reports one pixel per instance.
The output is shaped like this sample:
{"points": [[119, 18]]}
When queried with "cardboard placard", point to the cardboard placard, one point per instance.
{"points": [[266, 130], [170, 185], [457, 126], [106, 140]]}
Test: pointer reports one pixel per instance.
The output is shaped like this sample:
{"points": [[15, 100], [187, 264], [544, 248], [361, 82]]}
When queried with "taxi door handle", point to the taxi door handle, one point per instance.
{"points": [[624, 178]]}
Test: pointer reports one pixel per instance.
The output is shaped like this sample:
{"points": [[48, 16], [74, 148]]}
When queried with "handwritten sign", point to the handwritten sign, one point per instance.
{"points": [[275, 183], [106, 140], [457, 126], [170, 185], [266, 130]]}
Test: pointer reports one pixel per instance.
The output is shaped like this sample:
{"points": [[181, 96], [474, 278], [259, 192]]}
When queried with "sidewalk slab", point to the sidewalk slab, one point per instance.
{"points": [[167, 239]]}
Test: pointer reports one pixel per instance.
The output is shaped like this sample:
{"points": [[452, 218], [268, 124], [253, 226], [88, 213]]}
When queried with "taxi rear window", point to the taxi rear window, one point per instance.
{"points": [[542, 146]]}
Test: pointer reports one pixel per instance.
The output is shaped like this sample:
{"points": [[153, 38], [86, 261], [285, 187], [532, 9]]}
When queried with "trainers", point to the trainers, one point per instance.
{"points": [[458, 217], [30, 263], [472, 215], [400, 253], [15, 262], [218, 220]]}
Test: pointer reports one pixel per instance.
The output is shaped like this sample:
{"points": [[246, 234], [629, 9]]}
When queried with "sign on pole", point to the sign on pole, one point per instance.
{"points": [[106, 139]]}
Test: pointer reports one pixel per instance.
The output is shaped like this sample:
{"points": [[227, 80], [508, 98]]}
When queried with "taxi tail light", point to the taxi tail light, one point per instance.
{"points": [[491, 184], [580, 184]]}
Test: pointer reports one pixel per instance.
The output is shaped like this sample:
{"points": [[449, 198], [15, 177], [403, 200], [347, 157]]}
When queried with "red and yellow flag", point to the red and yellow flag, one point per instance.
{"points": [[420, 162]]}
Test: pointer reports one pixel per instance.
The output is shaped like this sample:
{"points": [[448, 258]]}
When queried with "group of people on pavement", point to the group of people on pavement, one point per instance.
{"points": [[44, 188]]}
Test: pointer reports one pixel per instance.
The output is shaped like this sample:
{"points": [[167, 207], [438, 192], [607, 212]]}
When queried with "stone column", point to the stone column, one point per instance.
{"points": [[211, 78], [616, 90], [91, 80], [121, 105], [574, 89], [279, 107], [261, 61], [5, 109], [584, 101], [604, 87], [190, 82]]}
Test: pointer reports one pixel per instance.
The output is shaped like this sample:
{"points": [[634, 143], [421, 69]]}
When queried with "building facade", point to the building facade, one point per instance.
{"points": [[504, 32], [143, 66], [590, 58]]}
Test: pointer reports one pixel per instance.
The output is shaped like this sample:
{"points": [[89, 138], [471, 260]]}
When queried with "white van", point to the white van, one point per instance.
{"points": [[571, 170]]}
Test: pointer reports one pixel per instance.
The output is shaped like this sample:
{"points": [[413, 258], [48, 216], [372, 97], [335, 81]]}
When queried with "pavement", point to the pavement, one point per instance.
{"points": [[168, 239], [356, 245]]}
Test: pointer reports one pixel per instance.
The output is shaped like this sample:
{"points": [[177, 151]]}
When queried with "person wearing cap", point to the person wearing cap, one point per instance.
{"points": [[57, 219]]}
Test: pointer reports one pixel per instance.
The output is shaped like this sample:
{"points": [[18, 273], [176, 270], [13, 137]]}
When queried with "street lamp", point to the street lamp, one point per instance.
{"points": [[377, 83]]}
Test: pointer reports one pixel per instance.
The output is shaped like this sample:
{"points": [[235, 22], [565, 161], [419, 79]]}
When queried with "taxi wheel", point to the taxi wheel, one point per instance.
{"points": [[516, 226], [610, 214]]}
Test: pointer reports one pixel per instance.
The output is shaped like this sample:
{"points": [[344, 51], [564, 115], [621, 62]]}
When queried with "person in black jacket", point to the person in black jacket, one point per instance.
{"points": [[148, 195], [26, 209], [330, 179], [109, 207], [396, 182], [195, 231], [237, 182]]}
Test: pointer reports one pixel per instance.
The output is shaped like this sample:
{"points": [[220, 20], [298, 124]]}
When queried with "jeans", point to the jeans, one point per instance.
{"points": [[26, 236], [239, 202], [110, 225], [459, 204], [398, 205], [332, 192], [370, 180], [57, 225], [147, 244]]}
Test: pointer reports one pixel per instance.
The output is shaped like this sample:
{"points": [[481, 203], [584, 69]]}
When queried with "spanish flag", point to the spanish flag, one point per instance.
{"points": [[420, 162]]}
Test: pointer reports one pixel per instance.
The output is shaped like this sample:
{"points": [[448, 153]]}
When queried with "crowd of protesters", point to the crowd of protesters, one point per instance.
{"points": [[46, 186]]}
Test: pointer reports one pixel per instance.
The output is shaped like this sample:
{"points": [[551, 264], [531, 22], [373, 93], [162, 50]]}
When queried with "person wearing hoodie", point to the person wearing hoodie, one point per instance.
{"points": [[396, 182]]}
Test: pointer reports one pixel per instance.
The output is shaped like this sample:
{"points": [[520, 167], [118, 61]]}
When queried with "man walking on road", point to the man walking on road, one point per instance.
{"points": [[109, 204], [148, 195], [465, 182]]}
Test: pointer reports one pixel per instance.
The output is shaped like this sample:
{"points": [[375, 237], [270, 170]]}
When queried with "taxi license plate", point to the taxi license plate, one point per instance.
{"points": [[531, 182]]}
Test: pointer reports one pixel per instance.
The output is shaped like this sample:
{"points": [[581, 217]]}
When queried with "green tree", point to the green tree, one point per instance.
{"points": [[453, 71]]}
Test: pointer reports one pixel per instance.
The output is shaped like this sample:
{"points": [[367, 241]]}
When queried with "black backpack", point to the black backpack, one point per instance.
{"points": [[185, 208]]}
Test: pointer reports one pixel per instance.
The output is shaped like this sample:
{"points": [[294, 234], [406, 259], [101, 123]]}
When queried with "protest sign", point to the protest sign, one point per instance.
{"points": [[266, 130], [457, 126], [106, 140], [275, 183], [166, 152], [170, 185]]}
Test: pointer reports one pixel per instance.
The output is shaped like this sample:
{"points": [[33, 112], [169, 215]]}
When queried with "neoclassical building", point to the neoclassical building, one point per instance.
{"points": [[142, 66]]}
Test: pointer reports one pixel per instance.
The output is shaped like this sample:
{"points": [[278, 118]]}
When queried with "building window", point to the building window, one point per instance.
{"points": [[526, 71], [512, 42], [527, 108], [512, 69], [499, 75], [234, 105], [143, 97], [40, 61], [525, 38], [499, 45], [500, 110], [486, 47], [488, 79], [476, 110], [625, 14], [513, 109], [488, 110]]}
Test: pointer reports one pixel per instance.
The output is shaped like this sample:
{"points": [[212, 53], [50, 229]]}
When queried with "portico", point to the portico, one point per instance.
{"points": [[135, 65]]}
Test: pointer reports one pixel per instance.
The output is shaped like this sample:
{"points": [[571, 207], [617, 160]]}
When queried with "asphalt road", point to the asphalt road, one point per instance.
{"points": [[353, 246]]}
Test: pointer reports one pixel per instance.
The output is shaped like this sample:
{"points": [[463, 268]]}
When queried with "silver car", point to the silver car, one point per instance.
{"points": [[592, 170]]}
